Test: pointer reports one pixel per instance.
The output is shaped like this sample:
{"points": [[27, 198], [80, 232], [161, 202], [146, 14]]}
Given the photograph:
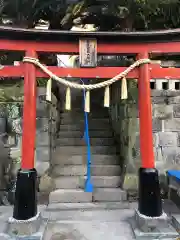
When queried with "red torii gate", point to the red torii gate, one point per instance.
{"points": [[139, 43]]}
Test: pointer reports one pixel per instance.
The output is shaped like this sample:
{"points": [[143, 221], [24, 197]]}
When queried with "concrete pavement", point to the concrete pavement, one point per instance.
{"points": [[96, 224]]}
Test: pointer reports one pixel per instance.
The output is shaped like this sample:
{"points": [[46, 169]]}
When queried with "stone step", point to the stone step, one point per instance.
{"points": [[55, 207], [100, 219], [69, 196], [75, 127], [80, 142], [98, 114], [109, 195], [81, 170], [78, 150], [80, 121], [96, 159], [79, 134], [70, 182]]}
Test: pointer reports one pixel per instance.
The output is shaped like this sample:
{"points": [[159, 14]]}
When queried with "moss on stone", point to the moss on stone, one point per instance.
{"points": [[124, 115], [11, 93], [130, 182]]}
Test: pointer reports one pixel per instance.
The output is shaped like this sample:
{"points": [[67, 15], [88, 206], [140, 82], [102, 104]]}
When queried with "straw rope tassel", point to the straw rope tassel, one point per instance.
{"points": [[87, 102], [48, 90], [68, 99], [107, 97], [124, 92]]}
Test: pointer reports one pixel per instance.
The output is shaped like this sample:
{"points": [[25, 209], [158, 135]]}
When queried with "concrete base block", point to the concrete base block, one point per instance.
{"points": [[153, 228], [146, 224], [25, 229]]}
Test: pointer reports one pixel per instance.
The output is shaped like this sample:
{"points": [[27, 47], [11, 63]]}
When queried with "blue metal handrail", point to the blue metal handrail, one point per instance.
{"points": [[88, 184]]}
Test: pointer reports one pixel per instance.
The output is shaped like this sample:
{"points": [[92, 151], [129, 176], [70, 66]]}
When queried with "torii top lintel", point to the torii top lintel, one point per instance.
{"points": [[108, 42], [71, 36], [155, 42]]}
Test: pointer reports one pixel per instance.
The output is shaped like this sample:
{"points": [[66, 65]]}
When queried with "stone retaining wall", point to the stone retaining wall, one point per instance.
{"points": [[166, 128], [166, 131], [11, 138]]}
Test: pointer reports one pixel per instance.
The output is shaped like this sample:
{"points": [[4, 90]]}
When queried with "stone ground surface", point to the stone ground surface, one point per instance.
{"points": [[94, 224]]}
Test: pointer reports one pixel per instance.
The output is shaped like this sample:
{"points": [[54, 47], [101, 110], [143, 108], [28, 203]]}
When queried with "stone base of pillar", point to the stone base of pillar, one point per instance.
{"points": [[27, 227], [145, 227]]}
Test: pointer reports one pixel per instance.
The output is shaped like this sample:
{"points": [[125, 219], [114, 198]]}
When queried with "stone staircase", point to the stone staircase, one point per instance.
{"points": [[69, 160]]}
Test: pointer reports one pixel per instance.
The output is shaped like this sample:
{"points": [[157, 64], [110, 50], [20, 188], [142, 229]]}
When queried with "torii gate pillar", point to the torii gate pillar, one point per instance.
{"points": [[149, 189], [25, 206]]}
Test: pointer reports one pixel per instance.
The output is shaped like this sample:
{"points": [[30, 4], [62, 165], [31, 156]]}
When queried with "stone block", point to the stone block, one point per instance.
{"points": [[172, 125], [70, 196], [168, 139], [123, 111], [156, 125], [172, 93], [42, 112], [53, 113], [132, 111], [41, 91], [159, 100], [109, 195], [42, 154], [176, 110], [174, 100], [171, 155], [162, 111], [53, 100], [165, 93], [53, 126], [157, 93], [42, 139], [42, 124], [42, 109]]}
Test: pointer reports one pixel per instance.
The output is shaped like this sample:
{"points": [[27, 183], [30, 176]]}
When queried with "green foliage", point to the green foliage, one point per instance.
{"points": [[11, 92], [112, 14]]}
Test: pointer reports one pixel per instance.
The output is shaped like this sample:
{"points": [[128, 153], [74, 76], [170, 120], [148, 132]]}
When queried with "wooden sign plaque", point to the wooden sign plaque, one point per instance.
{"points": [[88, 53]]}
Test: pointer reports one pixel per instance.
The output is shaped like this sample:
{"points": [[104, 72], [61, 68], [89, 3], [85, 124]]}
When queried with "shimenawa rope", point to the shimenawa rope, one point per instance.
{"points": [[104, 84]]}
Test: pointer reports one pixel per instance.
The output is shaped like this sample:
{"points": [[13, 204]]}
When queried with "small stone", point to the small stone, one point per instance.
{"points": [[162, 111], [46, 184]]}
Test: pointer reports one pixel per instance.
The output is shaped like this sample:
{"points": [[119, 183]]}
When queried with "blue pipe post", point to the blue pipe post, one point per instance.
{"points": [[88, 183]]}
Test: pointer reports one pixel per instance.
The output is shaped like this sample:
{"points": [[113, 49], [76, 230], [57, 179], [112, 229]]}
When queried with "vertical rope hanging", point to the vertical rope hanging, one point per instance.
{"points": [[68, 99], [107, 97], [87, 102], [124, 92], [48, 90]]}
